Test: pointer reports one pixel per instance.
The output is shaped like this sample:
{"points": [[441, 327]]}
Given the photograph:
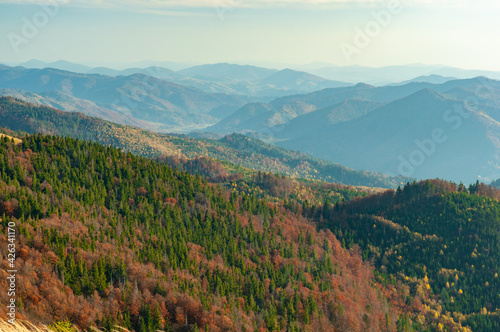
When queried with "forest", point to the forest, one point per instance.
{"points": [[108, 238], [442, 239]]}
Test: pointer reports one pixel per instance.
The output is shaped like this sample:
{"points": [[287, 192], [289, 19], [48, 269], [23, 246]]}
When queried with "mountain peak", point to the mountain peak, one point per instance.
{"points": [[364, 86], [427, 93]]}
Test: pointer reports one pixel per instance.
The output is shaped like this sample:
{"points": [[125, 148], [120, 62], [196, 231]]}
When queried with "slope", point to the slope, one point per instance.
{"points": [[249, 153], [439, 238], [318, 120], [424, 135], [281, 110], [108, 238], [67, 103], [138, 96]]}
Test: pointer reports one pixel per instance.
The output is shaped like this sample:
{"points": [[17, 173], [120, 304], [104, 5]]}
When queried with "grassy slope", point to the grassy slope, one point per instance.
{"points": [[16, 140]]}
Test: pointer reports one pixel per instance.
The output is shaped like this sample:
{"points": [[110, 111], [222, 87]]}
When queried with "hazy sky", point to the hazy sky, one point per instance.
{"points": [[462, 33]]}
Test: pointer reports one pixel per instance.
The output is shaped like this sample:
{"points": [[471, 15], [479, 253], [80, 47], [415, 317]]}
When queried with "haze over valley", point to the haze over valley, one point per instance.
{"points": [[380, 128]]}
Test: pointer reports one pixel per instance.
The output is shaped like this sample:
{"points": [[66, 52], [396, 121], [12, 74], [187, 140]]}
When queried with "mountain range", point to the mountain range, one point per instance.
{"points": [[399, 73], [237, 152], [327, 123], [214, 78], [261, 116], [350, 74], [421, 136], [379, 128], [163, 105]]}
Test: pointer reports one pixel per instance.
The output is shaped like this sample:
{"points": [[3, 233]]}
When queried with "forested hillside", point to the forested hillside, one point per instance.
{"points": [[107, 238], [443, 240]]}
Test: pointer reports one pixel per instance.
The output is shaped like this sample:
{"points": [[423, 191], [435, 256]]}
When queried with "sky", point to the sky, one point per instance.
{"points": [[460, 33]]}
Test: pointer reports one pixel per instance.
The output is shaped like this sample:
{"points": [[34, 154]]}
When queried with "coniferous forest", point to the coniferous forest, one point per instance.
{"points": [[107, 238]]}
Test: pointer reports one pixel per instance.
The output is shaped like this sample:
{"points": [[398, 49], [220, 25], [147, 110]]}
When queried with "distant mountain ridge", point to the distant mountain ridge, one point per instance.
{"points": [[396, 74], [284, 109], [433, 78], [215, 78], [375, 128], [302, 121], [227, 71], [420, 136], [165, 106]]}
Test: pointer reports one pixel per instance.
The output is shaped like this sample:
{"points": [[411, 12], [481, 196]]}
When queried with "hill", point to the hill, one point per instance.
{"points": [[69, 103], [108, 238], [435, 79], [439, 238], [294, 82], [395, 74], [227, 71], [346, 111], [421, 136], [377, 128], [234, 150], [164, 105], [262, 117]]}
